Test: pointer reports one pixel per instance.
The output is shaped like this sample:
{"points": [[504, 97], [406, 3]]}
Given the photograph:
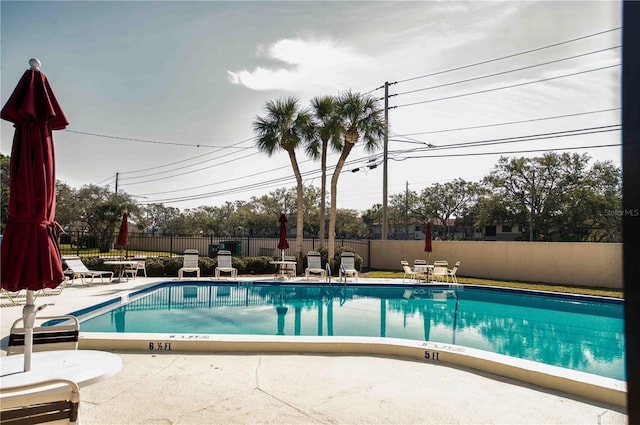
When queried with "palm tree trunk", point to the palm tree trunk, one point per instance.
{"points": [[300, 207], [334, 193], [323, 194]]}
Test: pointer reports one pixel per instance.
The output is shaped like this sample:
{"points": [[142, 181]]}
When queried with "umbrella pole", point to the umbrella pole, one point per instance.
{"points": [[29, 317]]}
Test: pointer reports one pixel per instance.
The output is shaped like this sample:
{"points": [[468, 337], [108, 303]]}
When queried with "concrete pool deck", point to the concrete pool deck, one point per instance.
{"points": [[242, 388]]}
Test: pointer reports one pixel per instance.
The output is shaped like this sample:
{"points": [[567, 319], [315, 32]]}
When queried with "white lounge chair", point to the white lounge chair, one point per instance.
{"points": [[189, 263], [347, 266], [76, 268], [314, 265], [12, 298], [52, 401], [53, 291], [225, 264], [61, 336]]}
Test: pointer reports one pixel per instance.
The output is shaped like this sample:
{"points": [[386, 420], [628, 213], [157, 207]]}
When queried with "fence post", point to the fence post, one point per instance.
{"points": [[171, 244], [77, 243]]}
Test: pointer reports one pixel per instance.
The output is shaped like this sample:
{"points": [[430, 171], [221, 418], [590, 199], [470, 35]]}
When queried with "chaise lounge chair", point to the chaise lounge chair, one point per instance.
{"points": [[347, 266], [314, 265], [225, 264], [12, 298], [76, 268], [189, 263], [53, 291]]}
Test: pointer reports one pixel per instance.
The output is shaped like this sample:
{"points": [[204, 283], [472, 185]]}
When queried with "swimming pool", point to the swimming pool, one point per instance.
{"points": [[580, 333]]}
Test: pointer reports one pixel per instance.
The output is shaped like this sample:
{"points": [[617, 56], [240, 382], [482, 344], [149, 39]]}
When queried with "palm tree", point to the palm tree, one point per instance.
{"points": [[327, 129], [361, 119], [284, 127]]}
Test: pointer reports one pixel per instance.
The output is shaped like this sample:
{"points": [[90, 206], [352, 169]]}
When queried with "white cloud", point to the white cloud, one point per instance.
{"points": [[303, 65]]}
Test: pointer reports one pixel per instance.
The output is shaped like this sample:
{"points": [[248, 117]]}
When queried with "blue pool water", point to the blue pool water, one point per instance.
{"points": [[580, 333]]}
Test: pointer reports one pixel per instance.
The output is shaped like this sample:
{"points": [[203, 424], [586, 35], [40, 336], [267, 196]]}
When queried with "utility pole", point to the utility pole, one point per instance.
{"points": [[385, 221], [406, 211], [117, 183], [533, 198]]}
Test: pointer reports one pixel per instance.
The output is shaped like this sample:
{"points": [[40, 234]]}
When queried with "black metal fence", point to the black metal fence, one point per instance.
{"points": [[146, 245]]}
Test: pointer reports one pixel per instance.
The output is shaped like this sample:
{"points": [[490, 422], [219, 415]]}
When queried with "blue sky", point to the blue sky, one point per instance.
{"points": [[164, 93]]}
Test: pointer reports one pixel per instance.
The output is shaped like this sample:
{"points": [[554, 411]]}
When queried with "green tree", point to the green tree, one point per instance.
{"points": [[349, 225], [370, 218], [326, 129], [100, 213], [284, 127], [67, 213], [562, 196], [361, 120], [157, 217]]}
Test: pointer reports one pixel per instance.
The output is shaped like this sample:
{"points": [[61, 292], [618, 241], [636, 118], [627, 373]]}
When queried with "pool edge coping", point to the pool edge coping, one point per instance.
{"points": [[589, 386]]}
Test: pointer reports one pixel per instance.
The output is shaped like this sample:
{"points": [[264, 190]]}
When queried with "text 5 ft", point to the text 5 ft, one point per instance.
{"points": [[431, 355]]}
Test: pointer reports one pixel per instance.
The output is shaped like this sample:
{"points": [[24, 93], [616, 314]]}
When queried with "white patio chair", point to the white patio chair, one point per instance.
{"points": [[130, 270], [314, 265], [439, 273], [142, 265], [189, 263], [61, 336], [409, 273], [290, 269], [54, 401], [452, 272], [225, 264], [419, 263], [347, 266]]}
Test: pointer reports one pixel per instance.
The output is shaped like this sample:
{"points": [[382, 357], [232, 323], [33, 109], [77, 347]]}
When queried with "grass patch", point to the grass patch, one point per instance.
{"points": [[580, 290]]}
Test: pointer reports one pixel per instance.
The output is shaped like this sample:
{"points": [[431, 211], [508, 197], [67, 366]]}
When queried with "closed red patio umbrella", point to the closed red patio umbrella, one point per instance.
{"points": [[283, 244], [123, 233], [427, 240], [30, 256]]}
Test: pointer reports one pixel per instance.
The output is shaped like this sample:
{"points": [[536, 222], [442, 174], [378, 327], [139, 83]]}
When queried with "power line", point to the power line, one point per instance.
{"points": [[157, 142], [186, 166], [518, 139], [506, 123], [502, 72], [187, 172], [192, 158], [272, 182], [218, 182], [512, 152], [313, 173], [508, 56], [504, 87]]}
